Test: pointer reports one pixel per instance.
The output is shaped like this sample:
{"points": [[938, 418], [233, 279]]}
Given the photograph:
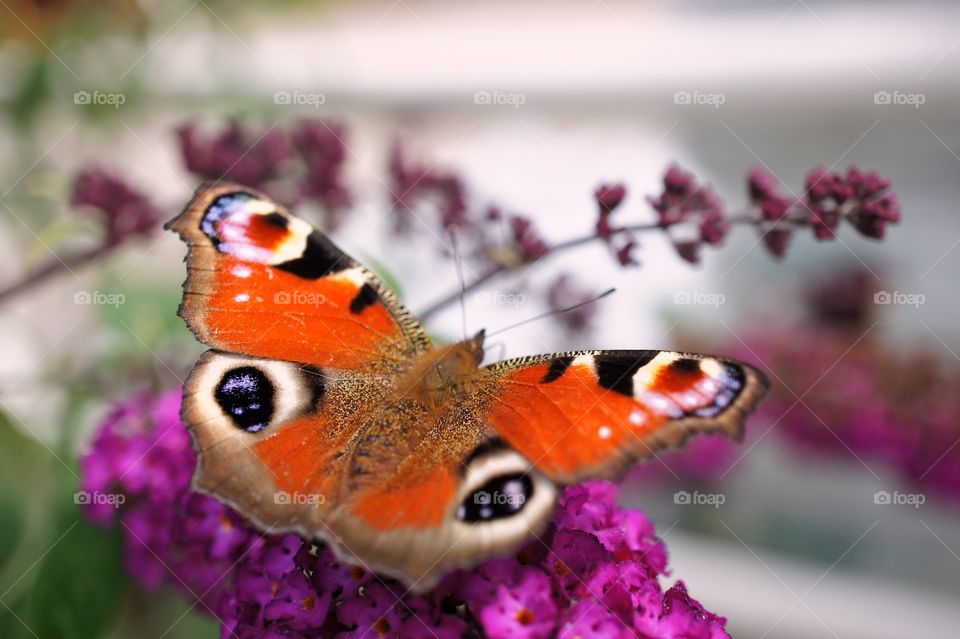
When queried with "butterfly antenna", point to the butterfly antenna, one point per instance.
{"points": [[607, 292], [463, 285]]}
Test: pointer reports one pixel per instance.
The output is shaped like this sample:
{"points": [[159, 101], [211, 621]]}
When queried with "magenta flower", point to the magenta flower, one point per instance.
{"points": [[529, 245], [618, 238], [594, 572], [858, 403], [861, 198], [690, 213], [774, 208], [564, 293], [323, 151], [251, 158], [412, 185], [124, 211]]}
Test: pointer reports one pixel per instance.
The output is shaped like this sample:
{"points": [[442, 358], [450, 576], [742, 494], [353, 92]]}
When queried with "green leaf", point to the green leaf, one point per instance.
{"points": [[33, 91], [79, 583], [63, 576], [11, 528], [12, 624]]}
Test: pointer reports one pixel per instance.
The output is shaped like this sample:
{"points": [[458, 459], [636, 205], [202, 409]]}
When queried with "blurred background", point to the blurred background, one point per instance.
{"points": [[837, 517]]}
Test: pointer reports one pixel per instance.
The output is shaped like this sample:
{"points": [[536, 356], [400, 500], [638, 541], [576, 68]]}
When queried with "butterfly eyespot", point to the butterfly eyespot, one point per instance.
{"points": [[246, 395], [500, 497]]}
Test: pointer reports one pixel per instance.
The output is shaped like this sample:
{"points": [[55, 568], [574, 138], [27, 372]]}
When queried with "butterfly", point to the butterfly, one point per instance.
{"points": [[323, 408]]}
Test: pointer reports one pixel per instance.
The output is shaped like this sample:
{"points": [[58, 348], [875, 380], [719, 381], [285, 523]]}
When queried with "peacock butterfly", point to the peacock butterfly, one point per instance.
{"points": [[323, 407]]}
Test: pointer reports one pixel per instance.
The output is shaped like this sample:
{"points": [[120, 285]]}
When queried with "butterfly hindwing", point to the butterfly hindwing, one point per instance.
{"points": [[264, 283], [265, 435], [591, 413], [338, 457]]}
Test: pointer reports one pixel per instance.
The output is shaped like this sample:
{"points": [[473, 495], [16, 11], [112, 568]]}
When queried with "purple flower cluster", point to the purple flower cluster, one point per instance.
{"points": [[143, 451], [324, 155], [690, 212], [619, 238], [864, 199], [862, 396], [234, 154], [528, 245], [123, 211], [705, 459], [565, 293], [412, 183], [593, 573], [304, 164]]}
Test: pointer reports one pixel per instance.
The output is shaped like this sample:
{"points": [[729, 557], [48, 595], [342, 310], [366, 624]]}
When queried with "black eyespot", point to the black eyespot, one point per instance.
{"points": [[686, 365], [500, 497], [277, 220], [245, 394]]}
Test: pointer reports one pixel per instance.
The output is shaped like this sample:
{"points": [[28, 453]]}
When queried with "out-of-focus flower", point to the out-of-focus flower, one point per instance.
{"points": [[304, 164], [690, 213], [565, 293], [412, 185], [236, 154], [618, 238], [863, 199], [775, 228], [594, 571], [527, 242], [143, 452], [706, 458], [322, 148], [125, 212], [857, 401]]}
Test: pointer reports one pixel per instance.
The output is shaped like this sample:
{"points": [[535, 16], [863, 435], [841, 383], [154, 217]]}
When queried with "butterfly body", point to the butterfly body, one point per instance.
{"points": [[323, 407]]}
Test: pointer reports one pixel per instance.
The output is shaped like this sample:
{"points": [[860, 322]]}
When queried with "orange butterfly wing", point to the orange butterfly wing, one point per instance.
{"points": [[591, 414], [264, 283]]}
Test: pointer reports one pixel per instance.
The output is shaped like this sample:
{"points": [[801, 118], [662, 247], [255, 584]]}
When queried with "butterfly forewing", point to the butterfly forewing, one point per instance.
{"points": [[264, 283], [591, 413]]}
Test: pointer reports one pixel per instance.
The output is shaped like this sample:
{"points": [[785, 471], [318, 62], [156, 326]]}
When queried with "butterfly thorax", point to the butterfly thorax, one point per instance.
{"points": [[437, 375], [429, 408]]}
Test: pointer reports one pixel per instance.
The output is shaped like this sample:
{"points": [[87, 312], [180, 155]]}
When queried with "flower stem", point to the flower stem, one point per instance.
{"points": [[744, 218], [51, 268]]}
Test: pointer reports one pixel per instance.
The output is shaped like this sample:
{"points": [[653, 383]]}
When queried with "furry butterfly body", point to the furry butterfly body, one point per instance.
{"points": [[323, 407]]}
